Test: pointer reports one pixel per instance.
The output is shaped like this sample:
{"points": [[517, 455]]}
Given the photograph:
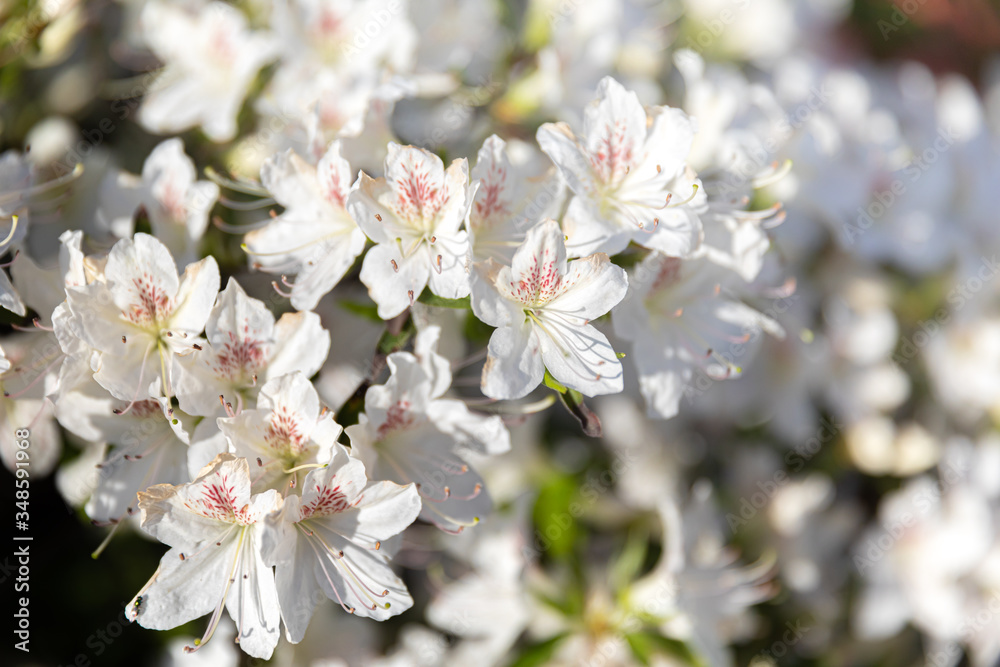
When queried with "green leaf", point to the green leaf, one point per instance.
{"points": [[431, 299], [553, 384], [390, 342], [645, 645], [557, 527], [628, 565], [368, 311], [538, 654]]}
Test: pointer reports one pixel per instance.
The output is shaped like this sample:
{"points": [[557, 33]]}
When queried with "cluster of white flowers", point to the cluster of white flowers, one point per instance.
{"points": [[314, 335]]}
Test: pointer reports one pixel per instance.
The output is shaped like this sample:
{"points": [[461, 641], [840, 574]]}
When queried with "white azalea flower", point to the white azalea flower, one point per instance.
{"points": [[150, 446], [213, 526], [542, 306], [487, 608], [17, 187], [30, 379], [322, 240], [507, 202], [680, 320], [210, 59], [699, 590], [177, 204], [413, 215], [139, 316], [331, 537], [44, 289], [625, 171], [285, 433], [409, 434], [245, 349]]}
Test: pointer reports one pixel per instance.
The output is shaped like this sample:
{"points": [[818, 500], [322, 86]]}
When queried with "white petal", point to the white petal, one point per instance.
{"points": [[291, 394], [559, 143], [541, 260], [253, 600], [198, 289], [592, 287], [514, 365], [141, 275], [487, 302], [290, 179], [581, 358], [449, 278], [302, 345], [588, 231], [484, 434], [394, 283], [615, 129]]}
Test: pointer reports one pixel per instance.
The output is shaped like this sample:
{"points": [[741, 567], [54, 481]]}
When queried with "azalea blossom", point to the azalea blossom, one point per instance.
{"points": [[699, 590], [177, 204], [286, 433], [331, 537], [413, 215], [213, 526], [149, 446], [507, 203], [17, 187], [629, 174], [542, 307], [245, 348], [139, 316], [681, 319], [210, 59], [321, 238], [409, 434], [29, 377]]}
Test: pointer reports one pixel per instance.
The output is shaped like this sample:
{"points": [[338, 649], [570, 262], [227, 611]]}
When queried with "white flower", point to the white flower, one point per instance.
{"points": [[150, 446], [680, 319], [699, 590], [139, 316], [413, 215], [542, 306], [210, 61], [331, 538], [27, 384], [315, 237], [44, 289], [177, 204], [213, 526], [409, 434], [487, 607], [507, 202], [625, 171], [286, 432], [245, 349]]}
